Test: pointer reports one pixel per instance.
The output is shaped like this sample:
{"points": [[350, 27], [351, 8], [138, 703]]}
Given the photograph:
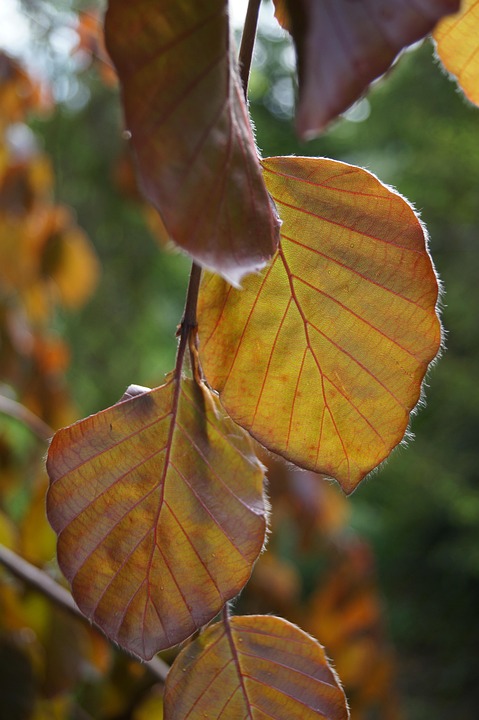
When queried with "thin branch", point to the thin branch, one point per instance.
{"points": [[189, 320], [24, 415], [41, 581], [247, 42]]}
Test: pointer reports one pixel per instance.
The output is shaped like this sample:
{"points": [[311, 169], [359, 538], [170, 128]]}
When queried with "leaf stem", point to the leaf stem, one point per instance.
{"points": [[247, 42], [41, 581], [189, 321]]}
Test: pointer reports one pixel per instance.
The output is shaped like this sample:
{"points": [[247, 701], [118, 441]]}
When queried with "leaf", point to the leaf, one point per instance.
{"points": [[342, 46], [190, 130], [158, 505], [457, 45], [345, 611], [321, 357], [254, 667]]}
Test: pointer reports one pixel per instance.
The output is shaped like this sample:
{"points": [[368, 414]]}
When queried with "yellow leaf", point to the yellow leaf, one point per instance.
{"points": [[322, 356], [457, 44]]}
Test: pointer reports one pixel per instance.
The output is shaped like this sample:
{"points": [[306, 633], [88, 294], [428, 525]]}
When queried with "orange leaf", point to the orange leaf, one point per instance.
{"points": [[321, 357], [180, 81], [253, 667], [343, 46], [457, 44], [159, 509]]}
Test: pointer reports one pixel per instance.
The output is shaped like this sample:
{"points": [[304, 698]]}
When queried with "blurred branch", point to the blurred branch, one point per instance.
{"points": [[24, 415], [41, 581]]}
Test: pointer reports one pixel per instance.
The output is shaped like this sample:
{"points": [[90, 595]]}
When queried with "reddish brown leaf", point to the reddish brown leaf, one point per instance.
{"points": [[321, 357], [158, 504], [190, 130], [255, 667], [457, 42], [343, 46]]}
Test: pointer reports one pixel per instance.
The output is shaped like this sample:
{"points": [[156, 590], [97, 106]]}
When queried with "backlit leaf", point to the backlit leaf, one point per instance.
{"points": [[158, 504], [342, 46], [179, 80], [256, 667], [457, 44], [321, 357]]}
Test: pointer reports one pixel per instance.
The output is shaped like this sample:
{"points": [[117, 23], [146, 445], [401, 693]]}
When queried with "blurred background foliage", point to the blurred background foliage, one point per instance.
{"points": [[64, 154]]}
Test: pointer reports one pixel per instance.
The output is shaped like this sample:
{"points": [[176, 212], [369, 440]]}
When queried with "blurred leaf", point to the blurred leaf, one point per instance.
{"points": [[178, 76], [343, 46], [37, 539], [255, 667], [19, 93], [322, 356], [151, 708], [275, 584], [91, 41], [55, 709], [457, 44], [8, 532], [346, 614], [158, 504], [71, 265]]}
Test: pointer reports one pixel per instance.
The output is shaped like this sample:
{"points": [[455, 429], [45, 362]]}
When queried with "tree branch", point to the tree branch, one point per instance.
{"points": [[247, 42], [19, 412], [39, 580]]}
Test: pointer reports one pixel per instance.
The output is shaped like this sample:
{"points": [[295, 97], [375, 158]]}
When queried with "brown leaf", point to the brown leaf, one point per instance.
{"points": [[342, 46], [190, 130], [158, 504], [253, 667]]}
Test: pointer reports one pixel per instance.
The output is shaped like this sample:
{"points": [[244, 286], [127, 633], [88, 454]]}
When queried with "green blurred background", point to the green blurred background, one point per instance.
{"points": [[417, 133]]}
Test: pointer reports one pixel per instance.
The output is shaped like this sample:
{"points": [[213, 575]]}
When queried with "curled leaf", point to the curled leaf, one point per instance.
{"points": [[191, 133], [322, 356], [159, 510], [342, 46], [253, 667]]}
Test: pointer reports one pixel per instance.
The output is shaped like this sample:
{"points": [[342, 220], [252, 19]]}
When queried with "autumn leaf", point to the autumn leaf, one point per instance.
{"points": [[158, 505], [457, 45], [253, 667], [322, 356], [179, 79], [342, 46]]}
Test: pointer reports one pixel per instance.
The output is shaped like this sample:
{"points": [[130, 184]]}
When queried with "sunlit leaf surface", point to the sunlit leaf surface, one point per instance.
{"points": [[158, 505], [321, 357], [457, 41], [190, 130], [255, 667], [343, 46]]}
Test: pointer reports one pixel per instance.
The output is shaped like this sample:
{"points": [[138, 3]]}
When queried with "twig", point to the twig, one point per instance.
{"points": [[41, 581], [24, 415], [247, 42]]}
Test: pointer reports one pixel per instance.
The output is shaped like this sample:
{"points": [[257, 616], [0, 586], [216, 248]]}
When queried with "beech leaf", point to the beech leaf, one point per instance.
{"points": [[256, 667], [322, 356], [179, 79], [342, 46], [457, 44], [159, 510]]}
